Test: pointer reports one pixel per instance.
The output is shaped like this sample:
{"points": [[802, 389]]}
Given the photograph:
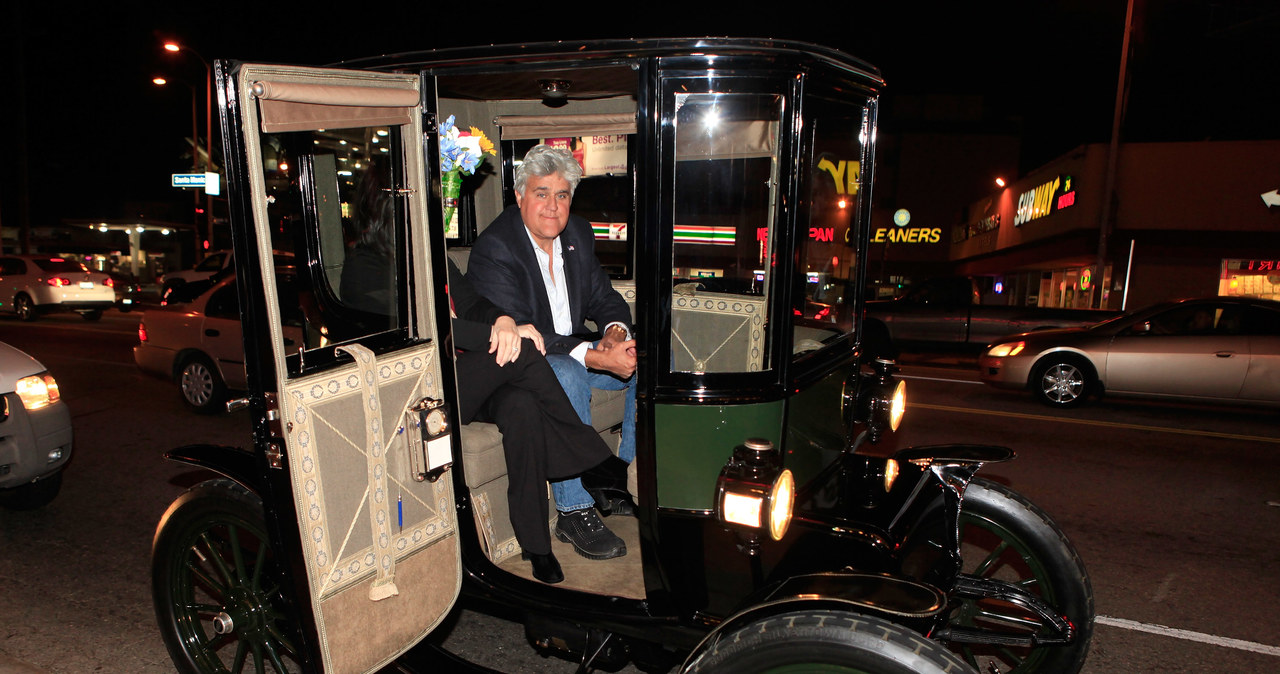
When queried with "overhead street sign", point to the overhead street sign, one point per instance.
{"points": [[188, 180], [211, 182]]}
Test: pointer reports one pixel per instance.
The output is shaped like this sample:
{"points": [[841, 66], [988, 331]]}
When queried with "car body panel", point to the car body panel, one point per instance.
{"points": [[27, 436], [209, 325], [23, 275], [1158, 352]]}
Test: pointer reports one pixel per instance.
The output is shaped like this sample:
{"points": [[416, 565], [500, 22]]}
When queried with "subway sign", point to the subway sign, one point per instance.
{"points": [[1044, 199]]}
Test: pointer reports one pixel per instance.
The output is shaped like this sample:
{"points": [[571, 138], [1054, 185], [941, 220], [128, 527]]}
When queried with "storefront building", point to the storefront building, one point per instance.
{"points": [[1185, 219]]}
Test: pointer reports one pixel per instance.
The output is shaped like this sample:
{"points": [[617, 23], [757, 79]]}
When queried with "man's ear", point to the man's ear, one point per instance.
{"points": [[519, 198]]}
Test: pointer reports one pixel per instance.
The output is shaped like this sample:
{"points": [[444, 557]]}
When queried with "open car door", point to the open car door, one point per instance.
{"points": [[330, 164]]}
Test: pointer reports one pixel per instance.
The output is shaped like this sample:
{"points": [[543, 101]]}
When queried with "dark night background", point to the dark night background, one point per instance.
{"points": [[89, 136]]}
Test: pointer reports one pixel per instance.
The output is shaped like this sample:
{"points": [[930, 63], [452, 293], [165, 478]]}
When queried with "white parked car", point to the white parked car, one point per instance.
{"points": [[197, 343], [215, 265], [35, 432], [34, 284]]}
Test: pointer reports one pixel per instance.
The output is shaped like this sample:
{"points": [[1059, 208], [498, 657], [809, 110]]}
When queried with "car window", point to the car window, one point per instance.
{"points": [[1198, 319], [12, 267], [58, 265], [1260, 321], [223, 303], [726, 188], [212, 263]]}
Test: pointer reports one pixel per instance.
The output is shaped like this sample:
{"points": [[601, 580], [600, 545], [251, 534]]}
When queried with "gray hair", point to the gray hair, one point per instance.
{"points": [[543, 160]]}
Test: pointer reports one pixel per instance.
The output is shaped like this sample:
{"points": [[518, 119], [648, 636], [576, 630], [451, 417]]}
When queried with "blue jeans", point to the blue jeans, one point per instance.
{"points": [[577, 382]]}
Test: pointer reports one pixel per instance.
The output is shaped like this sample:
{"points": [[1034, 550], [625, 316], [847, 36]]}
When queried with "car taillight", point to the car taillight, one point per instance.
{"points": [[142, 331], [58, 282], [110, 282]]}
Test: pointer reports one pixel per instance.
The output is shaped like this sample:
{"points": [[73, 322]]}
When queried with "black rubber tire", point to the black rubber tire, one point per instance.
{"points": [[25, 309], [1062, 380], [1005, 536], [33, 494], [826, 641], [211, 556], [201, 386], [93, 315]]}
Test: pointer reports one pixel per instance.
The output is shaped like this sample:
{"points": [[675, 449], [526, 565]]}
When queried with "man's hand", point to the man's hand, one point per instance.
{"points": [[614, 334], [618, 357], [504, 340]]}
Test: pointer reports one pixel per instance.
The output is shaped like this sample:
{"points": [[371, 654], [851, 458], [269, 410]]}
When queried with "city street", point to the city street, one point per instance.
{"points": [[1166, 503]]}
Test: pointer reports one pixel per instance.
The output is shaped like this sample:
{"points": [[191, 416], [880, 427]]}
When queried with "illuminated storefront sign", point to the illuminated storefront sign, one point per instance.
{"points": [[1254, 266], [846, 174], [907, 235], [717, 236], [1046, 198]]}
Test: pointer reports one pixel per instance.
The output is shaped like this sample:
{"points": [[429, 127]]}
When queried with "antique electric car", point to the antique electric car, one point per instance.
{"points": [[722, 175]]}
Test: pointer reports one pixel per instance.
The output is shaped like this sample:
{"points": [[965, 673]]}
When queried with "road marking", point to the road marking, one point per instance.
{"points": [[1092, 422], [952, 381], [1212, 640]]}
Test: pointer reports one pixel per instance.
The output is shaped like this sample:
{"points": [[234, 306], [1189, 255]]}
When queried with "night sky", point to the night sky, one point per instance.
{"points": [[89, 136]]}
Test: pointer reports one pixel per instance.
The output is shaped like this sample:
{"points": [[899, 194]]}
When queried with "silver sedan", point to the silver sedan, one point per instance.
{"points": [[1211, 349]]}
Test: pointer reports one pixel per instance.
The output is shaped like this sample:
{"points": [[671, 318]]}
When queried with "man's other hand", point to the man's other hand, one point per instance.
{"points": [[618, 357]]}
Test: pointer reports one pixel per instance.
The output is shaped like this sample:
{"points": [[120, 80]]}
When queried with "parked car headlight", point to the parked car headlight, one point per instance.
{"points": [[1007, 349], [38, 390]]}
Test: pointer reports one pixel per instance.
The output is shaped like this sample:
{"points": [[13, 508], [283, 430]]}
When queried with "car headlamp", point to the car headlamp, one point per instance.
{"points": [[38, 390], [883, 400], [1007, 349], [754, 491]]}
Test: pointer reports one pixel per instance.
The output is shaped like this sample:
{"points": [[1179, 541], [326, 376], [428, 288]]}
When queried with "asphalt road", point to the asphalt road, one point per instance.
{"points": [[1166, 503]]}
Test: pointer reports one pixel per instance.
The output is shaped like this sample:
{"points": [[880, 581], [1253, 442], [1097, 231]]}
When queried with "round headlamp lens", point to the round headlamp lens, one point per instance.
{"points": [[781, 500], [898, 405]]}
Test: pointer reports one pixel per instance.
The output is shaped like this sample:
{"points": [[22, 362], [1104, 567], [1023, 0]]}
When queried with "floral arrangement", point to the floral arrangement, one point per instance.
{"points": [[462, 150], [461, 153]]}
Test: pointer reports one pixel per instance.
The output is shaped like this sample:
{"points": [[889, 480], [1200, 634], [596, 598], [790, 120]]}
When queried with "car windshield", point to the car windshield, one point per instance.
{"points": [[57, 265]]}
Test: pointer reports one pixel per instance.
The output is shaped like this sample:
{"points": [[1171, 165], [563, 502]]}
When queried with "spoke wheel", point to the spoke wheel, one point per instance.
{"points": [[216, 588], [1007, 538], [1062, 382]]}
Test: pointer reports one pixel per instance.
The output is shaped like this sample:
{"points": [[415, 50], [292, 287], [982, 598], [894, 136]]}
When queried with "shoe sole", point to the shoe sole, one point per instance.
{"points": [[617, 552]]}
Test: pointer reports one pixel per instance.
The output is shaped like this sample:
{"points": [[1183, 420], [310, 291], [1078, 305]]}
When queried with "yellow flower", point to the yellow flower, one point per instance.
{"points": [[485, 144]]}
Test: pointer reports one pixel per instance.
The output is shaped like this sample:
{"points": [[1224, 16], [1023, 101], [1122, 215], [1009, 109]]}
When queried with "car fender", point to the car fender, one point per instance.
{"points": [[907, 602], [1099, 368], [234, 463]]}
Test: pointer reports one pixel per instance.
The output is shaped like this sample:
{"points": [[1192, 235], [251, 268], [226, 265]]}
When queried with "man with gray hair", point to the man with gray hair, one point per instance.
{"points": [[538, 263]]}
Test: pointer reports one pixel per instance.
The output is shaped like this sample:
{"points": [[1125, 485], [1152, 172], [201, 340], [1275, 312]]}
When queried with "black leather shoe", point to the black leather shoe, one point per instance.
{"points": [[607, 484], [545, 567], [588, 535]]}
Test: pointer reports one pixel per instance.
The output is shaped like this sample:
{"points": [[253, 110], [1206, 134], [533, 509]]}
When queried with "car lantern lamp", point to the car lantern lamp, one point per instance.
{"points": [[884, 400], [754, 491]]}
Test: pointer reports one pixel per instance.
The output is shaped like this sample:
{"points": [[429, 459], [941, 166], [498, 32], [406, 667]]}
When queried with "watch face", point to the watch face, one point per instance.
{"points": [[436, 422]]}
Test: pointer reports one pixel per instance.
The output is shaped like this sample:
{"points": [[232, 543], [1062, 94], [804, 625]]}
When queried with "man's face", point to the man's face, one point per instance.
{"points": [[544, 206]]}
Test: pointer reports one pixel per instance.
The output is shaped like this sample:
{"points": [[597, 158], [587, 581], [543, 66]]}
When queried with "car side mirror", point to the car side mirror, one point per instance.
{"points": [[1143, 328]]}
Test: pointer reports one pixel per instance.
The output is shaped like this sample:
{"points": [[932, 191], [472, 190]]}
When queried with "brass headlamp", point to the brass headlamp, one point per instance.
{"points": [[754, 491]]}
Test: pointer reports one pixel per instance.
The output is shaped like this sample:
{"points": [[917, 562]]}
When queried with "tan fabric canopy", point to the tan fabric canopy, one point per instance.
{"points": [[299, 106]]}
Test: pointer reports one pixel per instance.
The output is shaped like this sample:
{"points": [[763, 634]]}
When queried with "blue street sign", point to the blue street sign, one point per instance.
{"points": [[188, 179]]}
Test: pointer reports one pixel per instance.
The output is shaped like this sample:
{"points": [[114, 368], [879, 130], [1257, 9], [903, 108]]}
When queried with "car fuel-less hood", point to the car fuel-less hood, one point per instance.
{"points": [[15, 365]]}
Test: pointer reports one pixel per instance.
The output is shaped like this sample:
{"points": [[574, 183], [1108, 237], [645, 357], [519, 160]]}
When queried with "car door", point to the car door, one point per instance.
{"points": [[1187, 350], [376, 530]]}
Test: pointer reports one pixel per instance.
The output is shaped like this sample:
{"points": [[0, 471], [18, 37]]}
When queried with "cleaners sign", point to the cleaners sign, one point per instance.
{"points": [[1046, 198]]}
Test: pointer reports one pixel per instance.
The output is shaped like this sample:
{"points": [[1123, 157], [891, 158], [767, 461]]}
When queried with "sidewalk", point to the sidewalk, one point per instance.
{"points": [[10, 666]]}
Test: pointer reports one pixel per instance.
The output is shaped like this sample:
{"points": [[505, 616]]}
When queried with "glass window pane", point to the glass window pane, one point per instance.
{"points": [[725, 204], [340, 185], [823, 310]]}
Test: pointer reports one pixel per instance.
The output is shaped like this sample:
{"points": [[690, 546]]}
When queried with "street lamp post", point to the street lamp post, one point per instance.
{"points": [[208, 130], [195, 141]]}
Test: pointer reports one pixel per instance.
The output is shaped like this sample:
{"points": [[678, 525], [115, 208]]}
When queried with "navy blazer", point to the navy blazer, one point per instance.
{"points": [[504, 269]]}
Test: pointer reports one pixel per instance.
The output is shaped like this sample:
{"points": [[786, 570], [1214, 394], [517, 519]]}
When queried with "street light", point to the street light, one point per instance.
{"points": [[195, 137], [175, 47]]}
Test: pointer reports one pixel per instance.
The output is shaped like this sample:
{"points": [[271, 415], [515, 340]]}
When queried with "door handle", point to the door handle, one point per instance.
{"points": [[210, 332], [1225, 354]]}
